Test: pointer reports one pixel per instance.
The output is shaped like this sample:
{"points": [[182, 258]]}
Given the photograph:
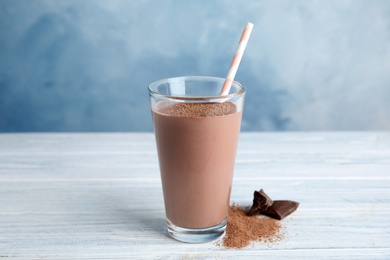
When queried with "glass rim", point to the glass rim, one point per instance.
{"points": [[241, 91]]}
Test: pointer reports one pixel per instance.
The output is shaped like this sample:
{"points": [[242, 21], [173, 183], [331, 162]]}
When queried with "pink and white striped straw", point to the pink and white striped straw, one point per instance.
{"points": [[237, 59]]}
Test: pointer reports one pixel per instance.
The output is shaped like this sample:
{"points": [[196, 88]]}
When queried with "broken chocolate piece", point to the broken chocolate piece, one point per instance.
{"points": [[281, 209], [261, 202], [278, 209]]}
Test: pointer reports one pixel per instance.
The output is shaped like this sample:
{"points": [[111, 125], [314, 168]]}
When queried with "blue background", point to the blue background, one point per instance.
{"points": [[85, 65]]}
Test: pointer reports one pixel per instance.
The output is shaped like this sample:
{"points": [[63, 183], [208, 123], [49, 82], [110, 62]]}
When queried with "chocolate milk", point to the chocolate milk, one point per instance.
{"points": [[196, 146]]}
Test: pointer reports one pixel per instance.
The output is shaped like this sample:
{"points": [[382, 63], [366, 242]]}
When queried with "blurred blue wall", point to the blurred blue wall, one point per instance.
{"points": [[84, 65]]}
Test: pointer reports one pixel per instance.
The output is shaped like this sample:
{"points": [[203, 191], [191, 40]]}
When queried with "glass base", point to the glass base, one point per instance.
{"points": [[201, 235]]}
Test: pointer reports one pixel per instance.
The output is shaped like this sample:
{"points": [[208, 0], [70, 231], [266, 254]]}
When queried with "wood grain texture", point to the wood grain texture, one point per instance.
{"points": [[98, 196]]}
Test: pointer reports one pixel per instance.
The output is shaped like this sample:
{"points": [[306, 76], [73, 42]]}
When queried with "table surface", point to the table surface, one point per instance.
{"points": [[98, 196]]}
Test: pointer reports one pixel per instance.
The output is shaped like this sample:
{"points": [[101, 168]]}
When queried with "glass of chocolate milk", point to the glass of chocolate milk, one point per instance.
{"points": [[196, 133]]}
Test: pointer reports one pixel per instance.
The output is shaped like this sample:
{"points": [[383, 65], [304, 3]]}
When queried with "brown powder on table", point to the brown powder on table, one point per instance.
{"points": [[241, 229]]}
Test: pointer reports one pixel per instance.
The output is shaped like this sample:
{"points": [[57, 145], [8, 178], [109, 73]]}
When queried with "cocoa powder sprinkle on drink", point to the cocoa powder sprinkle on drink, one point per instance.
{"points": [[242, 230]]}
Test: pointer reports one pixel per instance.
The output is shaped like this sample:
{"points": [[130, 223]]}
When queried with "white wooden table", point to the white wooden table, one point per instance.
{"points": [[98, 196]]}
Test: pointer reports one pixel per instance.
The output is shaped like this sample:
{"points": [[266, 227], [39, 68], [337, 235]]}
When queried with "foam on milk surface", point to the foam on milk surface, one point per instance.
{"points": [[197, 109]]}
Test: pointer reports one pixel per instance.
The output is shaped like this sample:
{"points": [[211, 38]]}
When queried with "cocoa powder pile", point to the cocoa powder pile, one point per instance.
{"points": [[195, 110], [242, 229]]}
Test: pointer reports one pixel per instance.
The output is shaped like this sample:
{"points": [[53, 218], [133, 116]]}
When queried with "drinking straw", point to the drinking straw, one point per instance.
{"points": [[237, 58]]}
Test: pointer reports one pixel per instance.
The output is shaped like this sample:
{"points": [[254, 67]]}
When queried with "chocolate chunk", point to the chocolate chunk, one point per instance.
{"points": [[261, 202], [278, 209], [281, 209]]}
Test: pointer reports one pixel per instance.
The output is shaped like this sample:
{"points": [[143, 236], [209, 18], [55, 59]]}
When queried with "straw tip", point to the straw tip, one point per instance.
{"points": [[249, 24]]}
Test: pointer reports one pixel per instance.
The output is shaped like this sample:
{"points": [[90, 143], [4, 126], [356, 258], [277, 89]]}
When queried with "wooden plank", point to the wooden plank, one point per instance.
{"points": [[98, 196]]}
